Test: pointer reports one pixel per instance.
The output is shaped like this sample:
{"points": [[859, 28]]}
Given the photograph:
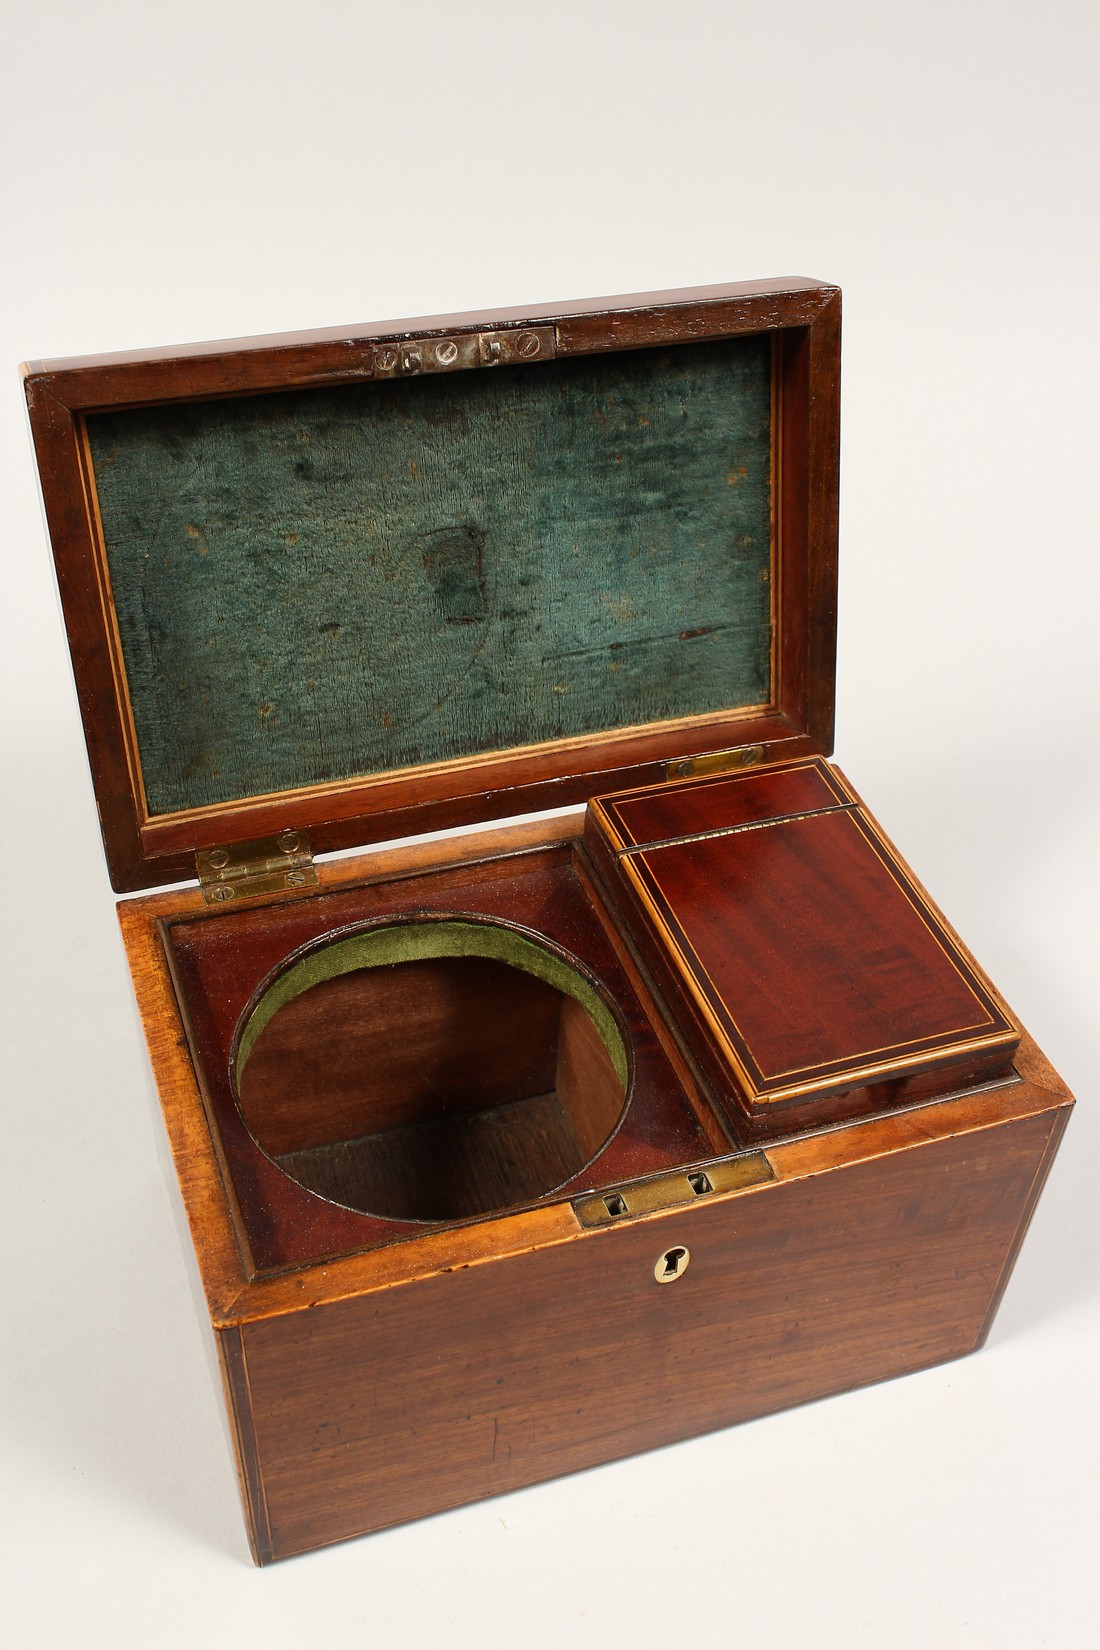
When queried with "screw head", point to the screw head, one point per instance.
{"points": [[386, 359], [295, 879], [221, 893], [447, 352], [288, 841], [528, 345], [219, 859]]}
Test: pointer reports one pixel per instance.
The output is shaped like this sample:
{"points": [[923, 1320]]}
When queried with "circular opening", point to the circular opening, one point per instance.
{"points": [[431, 1070]]}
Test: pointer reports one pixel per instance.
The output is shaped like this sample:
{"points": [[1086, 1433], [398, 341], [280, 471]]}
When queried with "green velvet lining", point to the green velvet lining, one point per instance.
{"points": [[329, 583], [413, 942]]}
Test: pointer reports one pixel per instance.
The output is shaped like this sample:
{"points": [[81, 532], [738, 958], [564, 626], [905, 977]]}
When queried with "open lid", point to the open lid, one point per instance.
{"points": [[401, 578]]}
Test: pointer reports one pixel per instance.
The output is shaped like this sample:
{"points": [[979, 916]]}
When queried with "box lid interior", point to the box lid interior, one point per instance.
{"points": [[409, 590]]}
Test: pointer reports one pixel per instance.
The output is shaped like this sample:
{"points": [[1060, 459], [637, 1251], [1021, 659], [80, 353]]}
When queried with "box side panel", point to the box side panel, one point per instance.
{"points": [[400, 1403]]}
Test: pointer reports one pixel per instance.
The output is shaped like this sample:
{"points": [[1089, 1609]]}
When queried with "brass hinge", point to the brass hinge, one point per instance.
{"points": [[510, 348], [245, 870], [692, 767]]}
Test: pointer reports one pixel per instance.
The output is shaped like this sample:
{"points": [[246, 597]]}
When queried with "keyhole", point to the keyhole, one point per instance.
{"points": [[672, 1265]]}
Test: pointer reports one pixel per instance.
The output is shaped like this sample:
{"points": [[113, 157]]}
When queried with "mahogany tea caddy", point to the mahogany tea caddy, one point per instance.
{"points": [[512, 1152]]}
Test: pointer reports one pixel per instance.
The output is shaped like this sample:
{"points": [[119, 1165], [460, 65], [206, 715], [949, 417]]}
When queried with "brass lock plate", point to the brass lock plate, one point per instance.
{"points": [[672, 1191]]}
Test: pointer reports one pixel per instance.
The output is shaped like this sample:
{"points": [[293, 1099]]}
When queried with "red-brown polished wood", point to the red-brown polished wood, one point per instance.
{"points": [[222, 962], [397, 1380], [385, 1362], [477, 1382], [720, 802], [374, 1047], [806, 954], [803, 317]]}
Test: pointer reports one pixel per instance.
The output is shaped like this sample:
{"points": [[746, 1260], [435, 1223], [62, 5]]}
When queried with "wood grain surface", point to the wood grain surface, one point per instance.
{"points": [[810, 962], [396, 1380], [501, 1374], [222, 963]]}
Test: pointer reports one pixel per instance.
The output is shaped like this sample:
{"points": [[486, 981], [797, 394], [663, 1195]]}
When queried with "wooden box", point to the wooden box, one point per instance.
{"points": [[518, 1151]]}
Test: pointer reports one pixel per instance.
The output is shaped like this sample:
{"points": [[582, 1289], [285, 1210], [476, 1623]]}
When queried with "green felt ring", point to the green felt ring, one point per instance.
{"points": [[418, 941]]}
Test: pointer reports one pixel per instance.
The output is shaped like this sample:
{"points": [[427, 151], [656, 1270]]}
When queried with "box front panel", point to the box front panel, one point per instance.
{"points": [[400, 1403]]}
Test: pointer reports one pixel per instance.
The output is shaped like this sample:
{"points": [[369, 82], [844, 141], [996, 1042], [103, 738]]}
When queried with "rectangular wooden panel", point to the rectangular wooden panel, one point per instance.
{"points": [[405, 1401], [561, 643], [814, 962], [721, 802]]}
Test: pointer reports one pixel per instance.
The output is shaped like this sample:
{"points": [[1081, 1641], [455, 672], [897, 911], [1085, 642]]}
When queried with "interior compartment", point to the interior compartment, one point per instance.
{"points": [[431, 1070]]}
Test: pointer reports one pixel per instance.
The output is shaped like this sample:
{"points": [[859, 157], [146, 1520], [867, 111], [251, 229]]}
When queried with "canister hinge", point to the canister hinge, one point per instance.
{"points": [[245, 870], [693, 767]]}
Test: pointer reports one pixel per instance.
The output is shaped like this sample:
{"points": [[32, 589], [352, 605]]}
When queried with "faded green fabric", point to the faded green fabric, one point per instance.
{"points": [[327, 583], [413, 942]]}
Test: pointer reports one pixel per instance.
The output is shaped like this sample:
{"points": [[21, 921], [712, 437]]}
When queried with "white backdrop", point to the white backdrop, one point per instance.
{"points": [[208, 170]]}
